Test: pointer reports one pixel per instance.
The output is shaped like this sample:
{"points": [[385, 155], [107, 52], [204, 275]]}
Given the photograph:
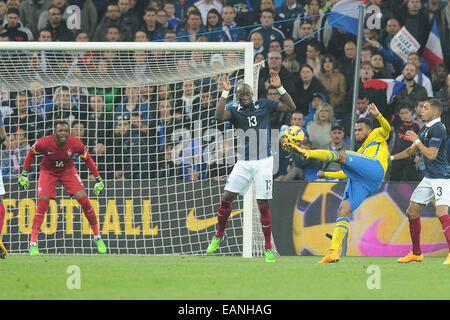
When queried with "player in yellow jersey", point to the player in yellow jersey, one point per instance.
{"points": [[364, 169]]}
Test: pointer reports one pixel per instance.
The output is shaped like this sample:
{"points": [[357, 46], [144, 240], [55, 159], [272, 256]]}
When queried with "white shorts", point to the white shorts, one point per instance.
{"points": [[432, 188], [246, 172], [2, 187]]}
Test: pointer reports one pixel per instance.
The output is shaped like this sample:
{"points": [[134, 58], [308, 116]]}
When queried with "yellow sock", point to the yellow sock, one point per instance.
{"points": [[339, 233], [324, 155]]}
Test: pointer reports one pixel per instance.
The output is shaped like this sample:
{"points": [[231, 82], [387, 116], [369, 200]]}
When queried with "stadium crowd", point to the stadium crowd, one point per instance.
{"points": [[128, 130]]}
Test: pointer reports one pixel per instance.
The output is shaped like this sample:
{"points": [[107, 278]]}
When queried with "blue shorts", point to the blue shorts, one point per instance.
{"points": [[365, 176]]}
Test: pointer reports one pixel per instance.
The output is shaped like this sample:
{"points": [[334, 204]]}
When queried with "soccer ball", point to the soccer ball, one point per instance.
{"points": [[294, 134]]}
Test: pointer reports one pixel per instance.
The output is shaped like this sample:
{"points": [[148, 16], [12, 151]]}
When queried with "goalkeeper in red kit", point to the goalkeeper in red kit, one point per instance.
{"points": [[57, 165]]}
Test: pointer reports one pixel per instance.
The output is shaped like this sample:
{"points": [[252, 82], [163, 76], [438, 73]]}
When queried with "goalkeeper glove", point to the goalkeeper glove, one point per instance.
{"points": [[99, 186], [23, 180]]}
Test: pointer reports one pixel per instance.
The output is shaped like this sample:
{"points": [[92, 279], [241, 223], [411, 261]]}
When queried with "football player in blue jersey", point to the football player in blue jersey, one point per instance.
{"points": [[251, 119]]}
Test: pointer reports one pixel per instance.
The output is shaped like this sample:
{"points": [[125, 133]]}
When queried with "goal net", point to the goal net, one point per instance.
{"points": [[146, 113]]}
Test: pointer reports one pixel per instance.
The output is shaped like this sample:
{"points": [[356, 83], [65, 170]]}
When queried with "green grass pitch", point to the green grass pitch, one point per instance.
{"points": [[221, 278]]}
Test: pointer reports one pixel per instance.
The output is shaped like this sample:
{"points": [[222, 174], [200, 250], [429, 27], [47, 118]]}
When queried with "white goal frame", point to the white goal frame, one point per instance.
{"points": [[247, 47]]}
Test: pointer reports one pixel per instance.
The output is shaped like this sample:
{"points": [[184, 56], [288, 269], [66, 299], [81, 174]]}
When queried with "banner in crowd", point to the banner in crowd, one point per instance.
{"points": [[379, 227], [403, 43]]}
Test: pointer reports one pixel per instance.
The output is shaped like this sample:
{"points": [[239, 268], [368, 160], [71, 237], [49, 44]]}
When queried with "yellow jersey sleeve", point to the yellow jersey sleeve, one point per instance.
{"points": [[375, 145], [335, 174]]}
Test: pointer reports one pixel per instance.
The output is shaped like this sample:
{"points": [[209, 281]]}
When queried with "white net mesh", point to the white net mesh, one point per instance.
{"points": [[147, 117]]}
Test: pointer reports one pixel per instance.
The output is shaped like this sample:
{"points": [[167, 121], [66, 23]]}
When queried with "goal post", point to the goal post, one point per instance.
{"points": [[145, 111]]}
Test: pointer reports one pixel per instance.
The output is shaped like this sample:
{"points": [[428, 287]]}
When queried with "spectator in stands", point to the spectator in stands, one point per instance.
{"points": [[169, 7], [112, 96], [29, 13], [39, 103], [203, 115], [290, 61], [3, 10], [274, 45], [122, 150], [13, 29], [193, 29], [131, 17], [379, 69], [165, 125], [204, 7], [289, 10], [298, 119], [43, 17], [161, 17], [334, 83], [151, 26], [418, 110], [13, 157], [99, 122], [213, 21], [413, 18], [78, 130], [64, 107], [438, 77], [170, 36], [103, 158], [230, 30], [268, 31], [113, 17], [140, 36], [57, 26], [444, 95], [112, 34], [312, 12], [131, 105], [306, 85], [258, 43], [412, 92], [274, 62], [314, 56], [319, 129], [420, 77], [403, 170], [185, 101], [306, 33], [89, 16], [337, 143], [346, 64], [23, 118], [244, 10], [141, 64]]}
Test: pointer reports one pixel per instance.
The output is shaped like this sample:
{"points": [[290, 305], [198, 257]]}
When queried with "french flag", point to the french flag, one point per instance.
{"points": [[346, 15], [432, 52], [392, 86]]}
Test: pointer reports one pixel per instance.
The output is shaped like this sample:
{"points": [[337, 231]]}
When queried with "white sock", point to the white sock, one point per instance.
{"points": [[33, 244], [97, 237]]}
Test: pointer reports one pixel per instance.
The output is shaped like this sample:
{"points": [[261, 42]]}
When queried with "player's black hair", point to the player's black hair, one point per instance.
{"points": [[437, 104], [60, 122], [367, 121]]}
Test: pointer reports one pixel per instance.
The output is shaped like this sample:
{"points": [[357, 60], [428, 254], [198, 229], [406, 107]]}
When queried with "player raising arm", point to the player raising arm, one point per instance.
{"points": [[364, 169], [432, 143], [251, 166], [57, 165]]}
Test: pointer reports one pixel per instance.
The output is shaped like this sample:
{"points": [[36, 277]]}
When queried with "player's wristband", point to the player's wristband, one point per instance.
{"points": [[225, 94], [24, 173], [98, 179], [417, 142], [281, 90], [392, 158]]}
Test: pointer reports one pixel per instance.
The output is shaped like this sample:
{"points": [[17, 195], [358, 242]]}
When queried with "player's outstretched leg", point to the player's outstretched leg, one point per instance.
{"points": [[89, 212], [340, 230], [266, 225], [42, 207], [222, 218], [415, 227], [444, 218], [339, 233], [3, 252]]}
